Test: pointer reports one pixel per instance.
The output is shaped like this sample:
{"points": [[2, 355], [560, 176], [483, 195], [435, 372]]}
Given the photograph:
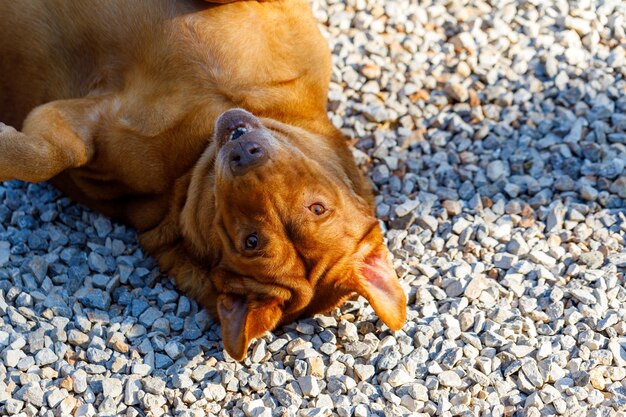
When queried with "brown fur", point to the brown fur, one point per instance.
{"points": [[116, 102]]}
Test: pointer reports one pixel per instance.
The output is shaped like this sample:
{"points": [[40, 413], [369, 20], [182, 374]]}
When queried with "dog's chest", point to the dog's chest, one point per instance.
{"points": [[260, 56]]}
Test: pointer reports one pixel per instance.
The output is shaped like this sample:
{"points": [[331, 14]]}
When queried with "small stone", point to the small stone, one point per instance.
{"points": [[97, 262], [162, 361], [12, 357], [542, 258], [596, 379], [583, 295], [94, 298], [495, 170], [593, 259], [131, 391], [67, 383], [141, 369], [174, 349], [77, 338], [55, 397], [5, 253], [361, 411], [555, 218], [258, 352], [79, 378], [588, 193], [32, 394], [45, 357], [504, 260], [449, 379], [406, 207], [117, 342], [399, 377], [253, 408], [67, 406], [428, 222], [517, 246], [286, 398], [103, 226], [181, 381], [475, 287], [463, 41], [39, 267], [214, 392], [85, 410], [309, 386], [154, 385], [316, 366], [456, 91], [111, 387], [348, 331], [364, 372], [148, 317], [453, 207], [532, 373], [13, 406], [371, 71]]}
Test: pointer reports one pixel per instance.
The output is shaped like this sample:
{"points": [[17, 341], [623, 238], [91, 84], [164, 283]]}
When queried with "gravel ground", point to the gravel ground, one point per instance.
{"points": [[495, 134]]}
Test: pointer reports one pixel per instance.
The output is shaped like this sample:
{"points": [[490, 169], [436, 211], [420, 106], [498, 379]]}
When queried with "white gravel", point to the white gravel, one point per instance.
{"points": [[495, 135]]}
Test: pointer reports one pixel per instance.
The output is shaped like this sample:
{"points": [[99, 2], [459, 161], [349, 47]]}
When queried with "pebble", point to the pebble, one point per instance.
{"points": [[94, 298], [593, 259], [79, 378], [55, 397], [449, 379], [45, 357], [13, 406], [32, 394], [456, 91], [364, 372], [309, 386], [399, 377], [132, 388]]}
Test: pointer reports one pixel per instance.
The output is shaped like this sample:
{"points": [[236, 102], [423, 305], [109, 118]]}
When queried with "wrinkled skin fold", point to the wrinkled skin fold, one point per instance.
{"points": [[204, 126]]}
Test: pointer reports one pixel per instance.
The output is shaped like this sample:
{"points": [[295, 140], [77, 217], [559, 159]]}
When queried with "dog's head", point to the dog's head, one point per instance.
{"points": [[281, 214]]}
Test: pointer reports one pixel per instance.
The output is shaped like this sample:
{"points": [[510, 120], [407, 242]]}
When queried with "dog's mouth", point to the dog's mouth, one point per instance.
{"points": [[238, 132], [233, 125], [244, 144]]}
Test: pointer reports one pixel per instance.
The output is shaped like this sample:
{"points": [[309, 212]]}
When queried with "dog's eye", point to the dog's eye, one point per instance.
{"points": [[252, 241], [317, 209], [237, 133]]}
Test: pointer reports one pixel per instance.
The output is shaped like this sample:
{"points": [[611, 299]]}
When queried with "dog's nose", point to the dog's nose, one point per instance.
{"points": [[245, 155]]}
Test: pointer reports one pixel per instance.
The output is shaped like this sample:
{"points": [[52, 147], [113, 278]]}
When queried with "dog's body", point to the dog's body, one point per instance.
{"points": [[118, 103]]}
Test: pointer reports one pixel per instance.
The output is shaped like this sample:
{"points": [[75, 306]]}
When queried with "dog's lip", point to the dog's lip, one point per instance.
{"points": [[231, 120]]}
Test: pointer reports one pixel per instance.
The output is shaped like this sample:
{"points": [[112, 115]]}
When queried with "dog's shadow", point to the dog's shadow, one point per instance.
{"points": [[91, 273]]}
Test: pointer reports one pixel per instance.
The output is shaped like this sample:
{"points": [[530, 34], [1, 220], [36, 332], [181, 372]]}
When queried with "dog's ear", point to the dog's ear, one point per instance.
{"points": [[376, 280], [242, 321]]}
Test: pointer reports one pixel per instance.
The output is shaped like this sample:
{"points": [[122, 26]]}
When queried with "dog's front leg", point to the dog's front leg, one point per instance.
{"points": [[54, 137]]}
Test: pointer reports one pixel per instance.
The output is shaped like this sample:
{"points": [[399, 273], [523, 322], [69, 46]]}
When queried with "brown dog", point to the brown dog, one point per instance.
{"points": [[135, 109]]}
